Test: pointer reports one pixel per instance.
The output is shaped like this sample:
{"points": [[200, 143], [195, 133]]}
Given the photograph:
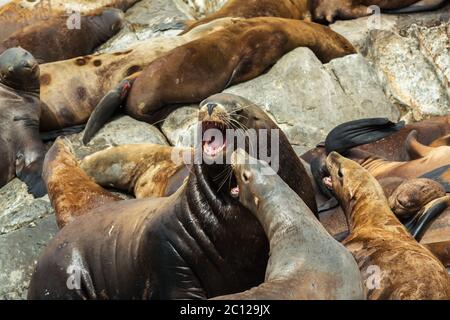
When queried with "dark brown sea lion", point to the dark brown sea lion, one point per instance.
{"points": [[290, 9], [329, 10], [208, 65], [72, 88], [305, 261], [198, 243], [55, 39], [386, 253], [21, 150]]}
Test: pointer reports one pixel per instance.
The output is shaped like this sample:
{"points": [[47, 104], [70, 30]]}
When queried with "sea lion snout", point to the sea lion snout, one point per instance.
{"points": [[115, 18], [19, 69]]}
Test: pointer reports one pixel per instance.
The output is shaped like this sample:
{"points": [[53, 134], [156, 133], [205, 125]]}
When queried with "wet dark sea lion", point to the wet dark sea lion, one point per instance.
{"points": [[377, 240], [198, 243], [305, 261], [290, 9], [52, 40], [194, 71], [21, 150], [72, 88]]}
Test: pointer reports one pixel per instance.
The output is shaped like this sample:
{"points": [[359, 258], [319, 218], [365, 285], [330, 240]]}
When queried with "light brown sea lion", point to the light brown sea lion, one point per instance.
{"points": [[385, 251], [198, 243], [21, 149], [290, 9], [54, 39], [71, 89], [194, 71], [329, 10], [305, 261]]}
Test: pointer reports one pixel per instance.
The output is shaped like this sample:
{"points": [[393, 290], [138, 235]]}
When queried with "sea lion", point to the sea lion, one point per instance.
{"points": [[379, 242], [290, 9], [329, 10], [305, 261], [71, 89], [198, 243], [208, 65], [54, 39], [21, 150]]}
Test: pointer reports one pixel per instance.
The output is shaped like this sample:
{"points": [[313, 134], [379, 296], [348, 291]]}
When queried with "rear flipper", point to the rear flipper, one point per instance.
{"points": [[359, 132], [72, 193], [105, 109], [420, 223]]}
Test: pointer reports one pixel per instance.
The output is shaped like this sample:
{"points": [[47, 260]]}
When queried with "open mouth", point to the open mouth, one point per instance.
{"points": [[214, 138], [328, 182]]}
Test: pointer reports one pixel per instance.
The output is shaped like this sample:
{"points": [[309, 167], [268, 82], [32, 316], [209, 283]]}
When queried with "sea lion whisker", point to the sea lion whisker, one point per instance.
{"points": [[230, 172]]}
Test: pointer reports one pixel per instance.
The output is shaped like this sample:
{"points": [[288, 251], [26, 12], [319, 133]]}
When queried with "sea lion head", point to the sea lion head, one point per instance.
{"points": [[256, 179], [114, 19], [412, 195], [19, 70]]}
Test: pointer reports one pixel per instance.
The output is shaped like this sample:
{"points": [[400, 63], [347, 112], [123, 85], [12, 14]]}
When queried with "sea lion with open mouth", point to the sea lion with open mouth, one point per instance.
{"points": [[198, 243], [55, 39], [21, 149], [305, 261], [194, 71], [380, 243]]}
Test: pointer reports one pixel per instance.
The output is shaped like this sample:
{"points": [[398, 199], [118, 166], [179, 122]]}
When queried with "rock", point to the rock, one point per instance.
{"points": [[145, 20], [122, 130], [180, 127], [308, 99], [19, 254]]}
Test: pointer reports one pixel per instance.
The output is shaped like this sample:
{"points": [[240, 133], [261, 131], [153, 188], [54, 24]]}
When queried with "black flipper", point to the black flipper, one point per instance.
{"points": [[330, 204], [420, 222], [359, 132], [440, 175], [105, 109], [53, 135], [31, 175]]}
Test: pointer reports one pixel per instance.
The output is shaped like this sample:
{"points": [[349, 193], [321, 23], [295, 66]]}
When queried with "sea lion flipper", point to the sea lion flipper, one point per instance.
{"points": [[359, 132], [420, 223], [105, 109], [414, 148], [52, 135], [441, 175]]}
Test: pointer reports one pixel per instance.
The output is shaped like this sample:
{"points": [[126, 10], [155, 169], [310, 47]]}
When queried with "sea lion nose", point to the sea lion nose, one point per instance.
{"points": [[211, 107]]}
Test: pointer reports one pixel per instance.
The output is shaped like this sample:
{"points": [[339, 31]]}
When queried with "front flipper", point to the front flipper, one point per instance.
{"points": [[105, 109], [420, 223], [31, 175]]}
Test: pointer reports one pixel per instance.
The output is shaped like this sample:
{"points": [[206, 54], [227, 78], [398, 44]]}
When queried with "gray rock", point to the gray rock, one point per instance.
{"points": [[19, 254], [122, 130]]}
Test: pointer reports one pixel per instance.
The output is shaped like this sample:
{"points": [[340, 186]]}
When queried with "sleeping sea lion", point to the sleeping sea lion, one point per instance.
{"points": [[305, 261], [208, 65], [198, 243], [71, 89], [379, 242], [53, 40], [21, 150]]}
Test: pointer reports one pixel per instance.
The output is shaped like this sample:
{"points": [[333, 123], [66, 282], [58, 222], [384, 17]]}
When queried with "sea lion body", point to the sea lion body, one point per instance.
{"points": [[380, 243], [189, 245], [71, 89], [55, 39], [21, 150], [305, 261]]}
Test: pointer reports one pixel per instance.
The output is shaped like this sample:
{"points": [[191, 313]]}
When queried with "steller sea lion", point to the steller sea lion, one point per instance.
{"points": [[21, 149], [380, 243], [53, 40], [71, 89], [305, 261], [192, 72], [198, 243]]}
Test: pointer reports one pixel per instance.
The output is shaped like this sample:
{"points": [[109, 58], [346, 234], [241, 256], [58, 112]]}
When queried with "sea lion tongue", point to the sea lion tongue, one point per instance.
{"points": [[212, 143]]}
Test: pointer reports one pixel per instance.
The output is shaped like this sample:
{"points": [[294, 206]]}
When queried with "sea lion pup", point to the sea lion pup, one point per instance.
{"points": [[145, 170], [208, 65], [305, 262], [198, 243], [378, 241], [290, 9], [54, 39], [329, 10], [21, 150], [61, 168], [71, 89]]}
